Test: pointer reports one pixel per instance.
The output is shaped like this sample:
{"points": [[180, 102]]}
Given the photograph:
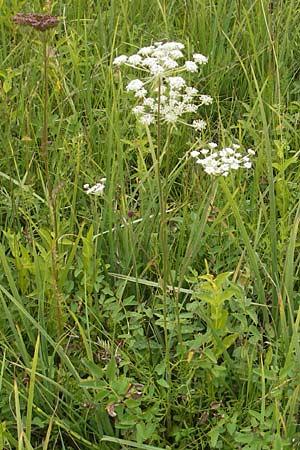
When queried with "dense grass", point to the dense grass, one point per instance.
{"points": [[97, 351]]}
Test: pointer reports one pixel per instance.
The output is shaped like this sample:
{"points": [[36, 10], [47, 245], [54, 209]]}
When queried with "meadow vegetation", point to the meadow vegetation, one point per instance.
{"points": [[147, 301]]}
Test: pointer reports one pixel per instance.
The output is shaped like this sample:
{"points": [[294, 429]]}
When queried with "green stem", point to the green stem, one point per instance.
{"points": [[163, 237]]}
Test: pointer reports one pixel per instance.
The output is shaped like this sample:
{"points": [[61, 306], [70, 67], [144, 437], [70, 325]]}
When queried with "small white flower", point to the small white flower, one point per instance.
{"points": [[195, 153], [159, 53], [210, 170], [173, 94], [176, 54], [236, 146], [206, 99], [221, 162], [134, 60], [191, 66], [191, 91], [170, 116], [200, 59], [190, 108], [149, 102], [149, 61], [229, 151], [139, 109], [135, 85], [156, 69], [169, 63], [146, 119], [141, 93], [86, 186], [146, 50], [163, 98], [170, 46], [119, 60], [250, 151], [176, 82], [199, 124], [224, 168], [235, 165], [97, 189]]}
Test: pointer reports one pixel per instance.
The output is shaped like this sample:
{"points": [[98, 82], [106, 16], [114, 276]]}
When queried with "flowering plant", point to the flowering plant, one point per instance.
{"points": [[164, 92], [220, 162], [97, 189], [165, 95]]}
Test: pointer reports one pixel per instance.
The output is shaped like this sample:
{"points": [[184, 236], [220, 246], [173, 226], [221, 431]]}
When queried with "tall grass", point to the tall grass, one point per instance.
{"points": [[191, 278]]}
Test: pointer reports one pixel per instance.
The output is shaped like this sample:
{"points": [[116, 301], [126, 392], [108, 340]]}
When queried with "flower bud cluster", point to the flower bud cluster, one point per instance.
{"points": [[166, 92], [222, 161]]}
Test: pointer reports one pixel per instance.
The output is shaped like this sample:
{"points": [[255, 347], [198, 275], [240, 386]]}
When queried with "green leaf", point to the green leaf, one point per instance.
{"points": [[31, 389], [214, 436], [255, 414], [120, 385], [94, 369], [222, 278], [162, 382], [111, 370], [278, 444], [7, 85], [91, 384], [210, 354], [229, 340], [160, 368]]}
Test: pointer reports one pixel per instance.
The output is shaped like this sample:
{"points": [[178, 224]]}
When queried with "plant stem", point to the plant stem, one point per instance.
{"points": [[49, 191], [44, 144], [163, 237]]}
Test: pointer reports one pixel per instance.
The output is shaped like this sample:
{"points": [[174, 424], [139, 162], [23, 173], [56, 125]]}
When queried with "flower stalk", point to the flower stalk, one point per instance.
{"points": [[163, 236], [50, 191], [42, 23]]}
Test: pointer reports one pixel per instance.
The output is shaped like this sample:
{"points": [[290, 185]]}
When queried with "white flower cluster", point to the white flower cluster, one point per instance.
{"points": [[221, 162], [97, 189], [168, 93]]}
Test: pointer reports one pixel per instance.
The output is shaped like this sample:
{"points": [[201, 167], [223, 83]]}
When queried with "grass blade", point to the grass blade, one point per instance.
{"points": [[31, 389]]}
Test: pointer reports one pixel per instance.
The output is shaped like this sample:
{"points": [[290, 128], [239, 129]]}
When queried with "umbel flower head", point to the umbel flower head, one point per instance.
{"points": [[221, 162], [40, 22], [164, 91], [97, 189]]}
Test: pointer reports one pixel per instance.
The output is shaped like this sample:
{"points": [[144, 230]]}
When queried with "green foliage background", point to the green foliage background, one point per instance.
{"points": [[101, 380]]}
